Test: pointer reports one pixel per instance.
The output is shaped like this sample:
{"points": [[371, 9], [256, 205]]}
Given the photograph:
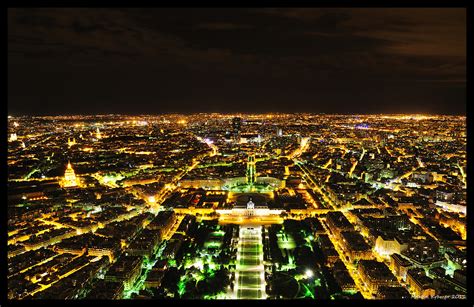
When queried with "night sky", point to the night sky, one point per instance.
{"points": [[152, 61]]}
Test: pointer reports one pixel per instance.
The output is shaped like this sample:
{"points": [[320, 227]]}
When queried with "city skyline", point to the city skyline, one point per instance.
{"points": [[234, 114], [216, 206], [309, 154]]}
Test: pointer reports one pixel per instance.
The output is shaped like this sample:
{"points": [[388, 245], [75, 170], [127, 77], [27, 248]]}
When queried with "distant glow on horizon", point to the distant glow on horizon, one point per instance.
{"points": [[362, 126]]}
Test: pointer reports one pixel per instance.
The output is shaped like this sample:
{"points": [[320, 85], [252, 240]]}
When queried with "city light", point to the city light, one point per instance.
{"points": [[238, 218]]}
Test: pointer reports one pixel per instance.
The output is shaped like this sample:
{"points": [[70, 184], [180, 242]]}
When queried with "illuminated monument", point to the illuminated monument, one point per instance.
{"points": [[251, 174], [250, 207], [98, 135], [70, 179], [250, 183]]}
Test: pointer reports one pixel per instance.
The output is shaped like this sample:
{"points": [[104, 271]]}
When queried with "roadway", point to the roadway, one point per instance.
{"points": [[74, 270], [360, 285], [315, 186]]}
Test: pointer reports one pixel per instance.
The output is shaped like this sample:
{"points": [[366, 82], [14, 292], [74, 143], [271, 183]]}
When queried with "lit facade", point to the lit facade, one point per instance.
{"points": [[70, 179]]}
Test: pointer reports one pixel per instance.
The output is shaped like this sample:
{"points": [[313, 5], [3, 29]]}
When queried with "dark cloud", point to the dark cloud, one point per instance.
{"points": [[224, 26], [262, 59], [35, 20], [80, 27]]}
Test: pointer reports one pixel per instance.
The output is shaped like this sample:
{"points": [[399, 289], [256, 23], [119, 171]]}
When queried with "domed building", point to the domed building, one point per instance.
{"points": [[70, 179]]}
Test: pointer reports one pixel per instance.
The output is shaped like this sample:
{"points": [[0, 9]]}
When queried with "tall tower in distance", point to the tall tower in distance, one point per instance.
{"points": [[236, 128], [97, 134], [70, 179], [251, 170]]}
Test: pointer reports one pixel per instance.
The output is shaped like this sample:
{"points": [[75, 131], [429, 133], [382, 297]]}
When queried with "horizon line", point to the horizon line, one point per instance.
{"points": [[237, 113]]}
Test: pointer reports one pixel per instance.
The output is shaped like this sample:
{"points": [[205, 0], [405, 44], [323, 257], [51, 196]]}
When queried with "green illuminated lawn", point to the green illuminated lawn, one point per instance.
{"points": [[250, 278], [249, 283], [249, 294], [286, 242], [250, 262]]}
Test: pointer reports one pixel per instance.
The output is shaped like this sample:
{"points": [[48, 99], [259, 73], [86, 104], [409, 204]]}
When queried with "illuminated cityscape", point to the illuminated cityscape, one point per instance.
{"points": [[237, 206], [262, 154]]}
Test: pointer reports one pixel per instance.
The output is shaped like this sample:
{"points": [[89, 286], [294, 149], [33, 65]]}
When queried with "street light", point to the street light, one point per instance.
{"points": [[308, 273]]}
